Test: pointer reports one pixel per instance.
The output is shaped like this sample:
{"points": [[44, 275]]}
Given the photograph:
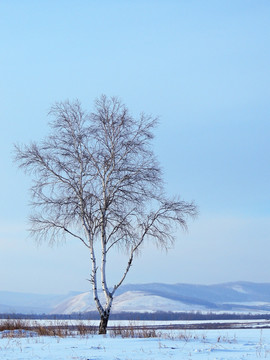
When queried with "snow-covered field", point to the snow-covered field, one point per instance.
{"points": [[188, 345]]}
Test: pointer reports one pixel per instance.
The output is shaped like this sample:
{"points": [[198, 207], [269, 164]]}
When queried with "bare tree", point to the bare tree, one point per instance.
{"points": [[95, 178]]}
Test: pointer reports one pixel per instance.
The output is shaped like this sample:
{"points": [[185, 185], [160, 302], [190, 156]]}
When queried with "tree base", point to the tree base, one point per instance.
{"points": [[103, 325]]}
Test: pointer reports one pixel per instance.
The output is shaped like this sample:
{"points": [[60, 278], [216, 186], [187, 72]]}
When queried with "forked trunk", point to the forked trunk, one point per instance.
{"points": [[103, 324]]}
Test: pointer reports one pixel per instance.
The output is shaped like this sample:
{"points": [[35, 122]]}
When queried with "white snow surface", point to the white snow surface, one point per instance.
{"points": [[192, 345], [134, 301], [143, 302], [239, 289]]}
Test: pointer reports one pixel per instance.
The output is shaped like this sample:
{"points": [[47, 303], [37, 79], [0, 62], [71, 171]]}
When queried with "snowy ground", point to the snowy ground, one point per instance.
{"points": [[190, 345]]}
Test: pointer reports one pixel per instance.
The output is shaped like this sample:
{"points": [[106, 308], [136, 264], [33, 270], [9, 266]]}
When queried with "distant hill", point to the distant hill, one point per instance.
{"points": [[231, 297], [28, 303]]}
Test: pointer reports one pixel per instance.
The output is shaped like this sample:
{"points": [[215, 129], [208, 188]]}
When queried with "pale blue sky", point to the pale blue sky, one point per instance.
{"points": [[203, 68]]}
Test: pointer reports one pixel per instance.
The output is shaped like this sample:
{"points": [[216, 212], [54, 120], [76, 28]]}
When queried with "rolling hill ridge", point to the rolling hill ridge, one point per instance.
{"points": [[229, 297]]}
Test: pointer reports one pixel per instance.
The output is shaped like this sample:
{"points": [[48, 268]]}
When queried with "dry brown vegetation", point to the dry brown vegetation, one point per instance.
{"points": [[21, 327]]}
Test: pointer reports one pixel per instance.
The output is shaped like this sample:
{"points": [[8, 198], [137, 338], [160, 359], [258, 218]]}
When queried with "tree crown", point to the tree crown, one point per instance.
{"points": [[96, 172]]}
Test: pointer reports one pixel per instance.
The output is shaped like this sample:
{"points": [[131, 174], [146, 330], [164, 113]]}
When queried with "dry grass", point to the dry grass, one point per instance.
{"points": [[20, 328], [23, 328], [132, 331], [14, 324]]}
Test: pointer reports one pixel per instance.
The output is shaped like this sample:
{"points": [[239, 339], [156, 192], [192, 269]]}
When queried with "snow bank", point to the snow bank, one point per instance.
{"points": [[201, 345]]}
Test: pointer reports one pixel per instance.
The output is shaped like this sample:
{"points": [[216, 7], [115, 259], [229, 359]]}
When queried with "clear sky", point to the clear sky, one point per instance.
{"points": [[203, 68]]}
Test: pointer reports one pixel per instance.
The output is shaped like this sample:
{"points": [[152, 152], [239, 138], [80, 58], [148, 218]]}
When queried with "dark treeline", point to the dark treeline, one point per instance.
{"points": [[159, 316]]}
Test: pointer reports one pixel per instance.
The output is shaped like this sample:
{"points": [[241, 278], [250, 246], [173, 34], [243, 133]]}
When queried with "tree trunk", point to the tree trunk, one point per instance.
{"points": [[103, 324]]}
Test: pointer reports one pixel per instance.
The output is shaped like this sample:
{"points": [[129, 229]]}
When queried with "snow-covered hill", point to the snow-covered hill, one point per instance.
{"points": [[237, 297], [131, 301]]}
